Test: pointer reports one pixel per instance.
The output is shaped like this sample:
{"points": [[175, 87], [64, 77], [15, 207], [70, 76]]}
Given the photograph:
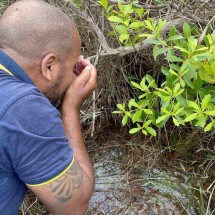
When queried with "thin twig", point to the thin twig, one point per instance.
{"points": [[201, 38], [209, 201], [94, 97], [186, 13], [139, 5], [91, 22]]}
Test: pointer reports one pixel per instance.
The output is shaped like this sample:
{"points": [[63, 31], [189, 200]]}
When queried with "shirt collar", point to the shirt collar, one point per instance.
{"points": [[14, 68]]}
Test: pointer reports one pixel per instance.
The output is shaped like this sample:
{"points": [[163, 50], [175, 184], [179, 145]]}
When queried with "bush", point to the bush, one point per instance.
{"points": [[186, 92]]}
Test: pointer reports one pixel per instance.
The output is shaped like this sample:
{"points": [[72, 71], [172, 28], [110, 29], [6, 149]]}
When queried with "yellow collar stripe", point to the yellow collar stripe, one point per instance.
{"points": [[5, 69], [55, 178]]}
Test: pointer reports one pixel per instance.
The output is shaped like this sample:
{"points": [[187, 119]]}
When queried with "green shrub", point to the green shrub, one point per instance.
{"points": [[186, 93]]}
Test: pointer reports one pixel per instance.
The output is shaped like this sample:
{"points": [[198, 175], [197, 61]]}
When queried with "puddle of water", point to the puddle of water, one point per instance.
{"points": [[147, 193]]}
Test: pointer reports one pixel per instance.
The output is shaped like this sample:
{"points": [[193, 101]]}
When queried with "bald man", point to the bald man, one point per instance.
{"points": [[41, 149]]}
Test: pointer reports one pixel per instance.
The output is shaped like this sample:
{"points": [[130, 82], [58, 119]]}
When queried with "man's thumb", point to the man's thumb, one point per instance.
{"points": [[84, 77]]}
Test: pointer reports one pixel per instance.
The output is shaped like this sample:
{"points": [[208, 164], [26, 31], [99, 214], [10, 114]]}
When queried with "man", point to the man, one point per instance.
{"points": [[40, 148]]}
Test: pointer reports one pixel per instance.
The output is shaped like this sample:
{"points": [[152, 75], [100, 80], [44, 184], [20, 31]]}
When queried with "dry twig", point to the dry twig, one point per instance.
{"points": [[145, 6]]}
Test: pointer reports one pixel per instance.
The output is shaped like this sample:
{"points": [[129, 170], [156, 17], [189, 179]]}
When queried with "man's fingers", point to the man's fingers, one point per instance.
{"points": [[84, 77], [85, 62], [93, 78], [81, 57]]}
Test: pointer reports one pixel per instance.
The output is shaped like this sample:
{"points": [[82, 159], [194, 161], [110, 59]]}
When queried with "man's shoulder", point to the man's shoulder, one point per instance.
{"points": [[30, 111], [13, 90]]}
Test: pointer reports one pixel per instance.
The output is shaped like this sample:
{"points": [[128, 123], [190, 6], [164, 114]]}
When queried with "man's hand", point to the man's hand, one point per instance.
{"points": [[79, 67], [83, 85]]}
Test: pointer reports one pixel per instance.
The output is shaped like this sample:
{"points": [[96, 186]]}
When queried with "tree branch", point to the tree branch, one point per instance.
{"points": [[139, 5], [186, 13], [92, 24], [122, 51]]}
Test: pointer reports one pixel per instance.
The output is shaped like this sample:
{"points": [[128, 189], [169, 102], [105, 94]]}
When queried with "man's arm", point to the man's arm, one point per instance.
{"points": [[70, 193]]}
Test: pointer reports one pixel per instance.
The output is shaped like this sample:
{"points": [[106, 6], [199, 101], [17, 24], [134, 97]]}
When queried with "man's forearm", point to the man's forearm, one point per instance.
{"points": [[72, 126]]}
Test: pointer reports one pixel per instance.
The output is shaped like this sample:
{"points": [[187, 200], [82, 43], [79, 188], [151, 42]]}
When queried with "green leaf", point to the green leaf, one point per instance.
{"points": [[134, 130], [148, 111], [136, 85], [116, 112], [133, 103], [144, 132], [115, 19], [201, 57], [210, 113], [136, 24], [193, 105], [157, 51], [151, 131], [153, 42], [128, 9], [179, 111], [198, 83], [148, 25], [123, 38], [139, 11], [126, 22], [176, 37], [171, 71], [209, 126], [147, 123], [192, 42], [172, 31], [179, 92], [121, 29], [121, 7], [191, 117], [201, 121], [146, 35], [124, 120], [172, 58], [175, 121], [109, 8], [137, 116], [121, 107], [104, 3], [159, 27], [161, 118], [186, 30], [205, 102], [182, 49]]}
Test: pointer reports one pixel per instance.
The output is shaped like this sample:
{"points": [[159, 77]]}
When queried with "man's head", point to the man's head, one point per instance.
{"points": [[44, 42]]}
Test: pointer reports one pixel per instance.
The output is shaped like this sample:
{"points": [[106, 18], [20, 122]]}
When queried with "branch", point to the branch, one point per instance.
{"points": [[186, 13], [92, 24], [122, 51], [139, 5]]}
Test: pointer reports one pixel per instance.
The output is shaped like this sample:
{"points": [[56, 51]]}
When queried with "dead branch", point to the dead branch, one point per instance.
{"points": [[186, 13], [91, 22], [145, 6], [122, 51]]}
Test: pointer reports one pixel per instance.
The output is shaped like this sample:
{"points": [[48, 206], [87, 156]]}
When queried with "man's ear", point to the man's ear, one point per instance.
{"points": [[49, 66]]}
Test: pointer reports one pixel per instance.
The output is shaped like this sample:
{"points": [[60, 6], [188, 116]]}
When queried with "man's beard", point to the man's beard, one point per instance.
{"points": [[54, 93]]}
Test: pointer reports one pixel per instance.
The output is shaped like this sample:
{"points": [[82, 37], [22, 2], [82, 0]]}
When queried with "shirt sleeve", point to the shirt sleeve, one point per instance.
{"points": [[39, 149]]}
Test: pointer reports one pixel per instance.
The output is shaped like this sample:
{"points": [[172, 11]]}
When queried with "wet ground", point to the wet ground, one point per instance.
{"points": [[144, 191], [130, 180]]}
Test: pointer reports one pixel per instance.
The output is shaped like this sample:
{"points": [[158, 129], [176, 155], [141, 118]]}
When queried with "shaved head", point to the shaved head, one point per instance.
{"points": [[33, 28]]}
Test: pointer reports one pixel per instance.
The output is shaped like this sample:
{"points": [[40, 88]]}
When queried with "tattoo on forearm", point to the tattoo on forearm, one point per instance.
{"points": [[67, 185]]}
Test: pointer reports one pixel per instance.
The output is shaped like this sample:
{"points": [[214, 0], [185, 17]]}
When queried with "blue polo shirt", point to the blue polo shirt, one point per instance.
{"points": [[33, 146]]}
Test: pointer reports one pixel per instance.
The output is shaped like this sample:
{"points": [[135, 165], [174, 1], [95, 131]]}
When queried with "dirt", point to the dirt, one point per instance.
{"points": [[143, 191]]}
